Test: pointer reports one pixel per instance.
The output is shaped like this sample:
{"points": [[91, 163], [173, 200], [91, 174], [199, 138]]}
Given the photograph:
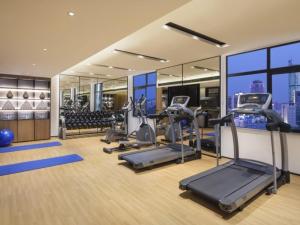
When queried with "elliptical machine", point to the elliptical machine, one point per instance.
{"points": [[144, 133], [114, 134]]}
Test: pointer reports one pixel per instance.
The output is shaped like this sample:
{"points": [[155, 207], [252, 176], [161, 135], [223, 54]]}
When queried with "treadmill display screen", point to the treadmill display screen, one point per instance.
{"points": [[179, 100], [259, 99]]}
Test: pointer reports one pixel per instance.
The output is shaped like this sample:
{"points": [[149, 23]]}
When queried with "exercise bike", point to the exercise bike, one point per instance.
{"points": [[144, 133]]}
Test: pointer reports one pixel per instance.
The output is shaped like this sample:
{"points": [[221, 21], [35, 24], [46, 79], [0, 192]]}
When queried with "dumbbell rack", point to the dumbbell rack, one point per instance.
{"points": [[85, 123]]}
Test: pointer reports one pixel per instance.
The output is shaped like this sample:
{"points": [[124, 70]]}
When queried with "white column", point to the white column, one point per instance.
{"points": [[92, 97], [54, 105]]}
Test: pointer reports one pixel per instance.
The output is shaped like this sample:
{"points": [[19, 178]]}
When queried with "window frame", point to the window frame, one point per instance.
{"points": [[145, 88], [270, 72]]}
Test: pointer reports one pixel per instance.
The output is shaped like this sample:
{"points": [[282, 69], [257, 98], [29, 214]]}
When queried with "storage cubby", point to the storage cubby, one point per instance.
{"points": [[25, 107]]}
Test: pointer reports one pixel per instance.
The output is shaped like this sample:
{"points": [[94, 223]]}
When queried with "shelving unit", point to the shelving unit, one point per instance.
{"points": [[25, 107]]}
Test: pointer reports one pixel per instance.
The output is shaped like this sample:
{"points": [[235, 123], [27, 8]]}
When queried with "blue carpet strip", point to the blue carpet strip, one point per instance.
{"points": [[29, 147], [38, 164]]}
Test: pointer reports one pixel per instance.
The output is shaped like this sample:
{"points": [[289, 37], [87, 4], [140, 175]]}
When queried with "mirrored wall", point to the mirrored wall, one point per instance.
{"points": [[88, 98], [200, 80], [114, 94]]}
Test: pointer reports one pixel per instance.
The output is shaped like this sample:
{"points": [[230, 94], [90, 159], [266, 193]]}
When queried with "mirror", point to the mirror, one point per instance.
{"points": [[68, 89], [114, 94], [171, 76]]}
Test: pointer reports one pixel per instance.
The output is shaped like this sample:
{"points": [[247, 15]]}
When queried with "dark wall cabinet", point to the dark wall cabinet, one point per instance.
{"points": [[25, 107], [41, 129], [25, 130]]}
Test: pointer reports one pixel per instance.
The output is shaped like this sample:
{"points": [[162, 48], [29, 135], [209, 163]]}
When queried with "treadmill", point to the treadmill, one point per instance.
{"points": [[234, 183], [176, 112]]}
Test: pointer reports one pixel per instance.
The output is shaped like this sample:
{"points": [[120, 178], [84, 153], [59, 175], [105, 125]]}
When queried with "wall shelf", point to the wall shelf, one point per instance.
{"points": [[25, 107]]}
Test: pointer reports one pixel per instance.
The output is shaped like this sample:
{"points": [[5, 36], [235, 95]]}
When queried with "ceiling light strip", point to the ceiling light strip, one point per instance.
{"points": [[203, 68], [113, 67], [96, 75], [168, 75], [195, 35], [141, 56], [212, 78]]}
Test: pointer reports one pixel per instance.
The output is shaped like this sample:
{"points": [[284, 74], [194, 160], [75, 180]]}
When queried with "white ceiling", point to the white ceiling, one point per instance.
{"points": [[244, 25], [27, 27]]}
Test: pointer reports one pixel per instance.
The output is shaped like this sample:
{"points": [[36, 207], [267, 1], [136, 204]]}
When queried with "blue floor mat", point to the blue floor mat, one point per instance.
{"points": [[38, 164], [212, 134], [29, 147]]}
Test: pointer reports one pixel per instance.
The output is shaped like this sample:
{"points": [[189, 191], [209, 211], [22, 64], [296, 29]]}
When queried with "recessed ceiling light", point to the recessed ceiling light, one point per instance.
{"points": [[33, 64], [192, 67], [92, 74], [195, 37], [205, 69], [71, 13], [130, 69], [170, 75], [45, 49], [141, 56], [166, 27], [223, 46], [108, 75], [110, 67]]}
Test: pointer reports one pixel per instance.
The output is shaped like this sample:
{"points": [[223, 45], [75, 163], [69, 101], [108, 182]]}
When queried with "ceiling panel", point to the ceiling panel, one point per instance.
{"points": [[27, 27]]}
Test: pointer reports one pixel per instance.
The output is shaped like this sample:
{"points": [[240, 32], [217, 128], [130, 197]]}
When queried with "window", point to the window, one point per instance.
{"points": [[145, 85], [250, 61], [286, 97], [251, 72], [286, 55], [254, 83], [139, 80]]}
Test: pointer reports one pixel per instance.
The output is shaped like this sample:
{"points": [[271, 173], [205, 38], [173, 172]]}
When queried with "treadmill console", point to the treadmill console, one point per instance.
{"points": [[178, 105], [180, 100], [254, 101]]}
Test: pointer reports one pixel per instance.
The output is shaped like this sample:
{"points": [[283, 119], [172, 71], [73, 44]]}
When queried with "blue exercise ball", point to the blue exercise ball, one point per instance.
{"points": [[6, 137]]}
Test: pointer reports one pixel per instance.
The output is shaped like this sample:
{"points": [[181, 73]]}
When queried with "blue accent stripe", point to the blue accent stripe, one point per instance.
{"points": [[38, 164], [29, 147]]}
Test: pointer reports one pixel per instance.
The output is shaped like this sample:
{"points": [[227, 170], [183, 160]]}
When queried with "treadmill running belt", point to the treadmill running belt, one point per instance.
{"points": [[154, 155], [222, 183]]}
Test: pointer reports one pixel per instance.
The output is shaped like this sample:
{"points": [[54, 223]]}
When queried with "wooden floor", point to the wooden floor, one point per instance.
{"points": [[99, 191]]}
